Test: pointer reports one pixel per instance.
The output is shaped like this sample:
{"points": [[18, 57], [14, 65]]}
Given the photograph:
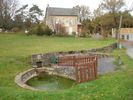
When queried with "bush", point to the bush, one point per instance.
{"points": [[15, 29], [85, 33], [40, 30], [47, 31], [74, 33]]}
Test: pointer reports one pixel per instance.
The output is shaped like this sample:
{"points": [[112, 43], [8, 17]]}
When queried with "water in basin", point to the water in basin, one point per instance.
{"points": [[49, 82]]}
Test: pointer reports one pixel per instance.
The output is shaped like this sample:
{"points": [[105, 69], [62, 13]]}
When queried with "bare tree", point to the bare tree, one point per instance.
{"points": [[83, 11], [113, 6], [98, 12], [7, 12]]}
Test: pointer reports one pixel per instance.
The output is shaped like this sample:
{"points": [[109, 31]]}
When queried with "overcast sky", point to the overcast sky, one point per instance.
{"points": [[93, 4]]}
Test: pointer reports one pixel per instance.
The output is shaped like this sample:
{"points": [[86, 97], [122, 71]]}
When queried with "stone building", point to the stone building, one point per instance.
{"points": [[62, 20], [125, 33]]}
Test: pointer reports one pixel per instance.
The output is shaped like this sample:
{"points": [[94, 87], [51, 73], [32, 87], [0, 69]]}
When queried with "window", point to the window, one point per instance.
{"points": [[70, 22], [122, 37], [127, 37]]}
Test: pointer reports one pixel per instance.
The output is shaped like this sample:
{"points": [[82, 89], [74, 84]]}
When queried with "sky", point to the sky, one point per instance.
{"points": [[92, 4]]}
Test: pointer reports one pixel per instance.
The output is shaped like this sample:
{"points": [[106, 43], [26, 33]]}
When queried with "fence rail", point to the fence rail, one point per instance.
{"points": [[85, 66]]}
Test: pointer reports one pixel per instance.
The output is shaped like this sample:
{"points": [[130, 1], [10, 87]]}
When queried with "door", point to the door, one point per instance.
{"points": [[70, 30]]}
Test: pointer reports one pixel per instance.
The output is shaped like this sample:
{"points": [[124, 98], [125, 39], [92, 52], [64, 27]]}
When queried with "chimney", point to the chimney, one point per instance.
{"points": [[47, 5]]}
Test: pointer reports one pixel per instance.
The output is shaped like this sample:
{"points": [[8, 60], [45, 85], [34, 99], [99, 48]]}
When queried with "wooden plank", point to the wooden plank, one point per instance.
{"points": [[76, 73], [91, 74], [92, 69], [80, 76], [85, 73], [88, 68]]}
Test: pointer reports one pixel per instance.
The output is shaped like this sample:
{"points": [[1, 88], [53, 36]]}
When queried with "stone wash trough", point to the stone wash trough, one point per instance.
{"points": [[48, 63]]}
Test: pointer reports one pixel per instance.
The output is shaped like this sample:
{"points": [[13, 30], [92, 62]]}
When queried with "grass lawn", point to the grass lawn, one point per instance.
{"points": [[15, 51]]}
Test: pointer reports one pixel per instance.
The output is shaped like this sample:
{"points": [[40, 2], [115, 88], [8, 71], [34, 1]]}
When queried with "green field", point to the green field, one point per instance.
{"points": [[15, 52]]}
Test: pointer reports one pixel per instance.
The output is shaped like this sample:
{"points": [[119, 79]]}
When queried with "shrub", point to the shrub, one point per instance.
{"points": [[40, 30], [47, 31], [15, 29], [74, 33], [85, 33]]}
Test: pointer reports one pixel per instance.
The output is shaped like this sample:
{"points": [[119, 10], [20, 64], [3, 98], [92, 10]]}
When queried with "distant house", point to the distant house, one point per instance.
{"points": [[0, 29], [125, 33], [63, 20]]}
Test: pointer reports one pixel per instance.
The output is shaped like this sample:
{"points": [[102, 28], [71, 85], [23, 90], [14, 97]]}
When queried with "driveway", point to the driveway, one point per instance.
{"points": [[129, 46]]}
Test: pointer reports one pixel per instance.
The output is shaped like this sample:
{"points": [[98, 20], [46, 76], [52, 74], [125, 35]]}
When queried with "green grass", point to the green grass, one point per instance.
{"points": [[15, 51]]}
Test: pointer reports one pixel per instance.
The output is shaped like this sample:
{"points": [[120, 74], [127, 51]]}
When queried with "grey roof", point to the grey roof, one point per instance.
{"points": [[53, 11]]}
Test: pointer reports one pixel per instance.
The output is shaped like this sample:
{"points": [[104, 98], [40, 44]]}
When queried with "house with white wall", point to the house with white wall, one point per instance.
{"points": [[124, 33]]}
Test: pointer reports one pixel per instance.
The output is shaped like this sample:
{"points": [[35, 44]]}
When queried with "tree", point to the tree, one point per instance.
{"points": [[22, 12], [27, 18], [112, 7], [21, 17], [127, 19], [83, 11], [98, 12], [88, 27], [35, 12], [7, 12]]}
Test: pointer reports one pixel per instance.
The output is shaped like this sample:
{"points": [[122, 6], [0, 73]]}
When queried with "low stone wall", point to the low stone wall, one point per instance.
{"points": [[23, 77], [45, 59], [65, 72]]}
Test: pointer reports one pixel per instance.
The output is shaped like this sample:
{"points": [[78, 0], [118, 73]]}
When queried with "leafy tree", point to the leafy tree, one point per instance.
{"points": [[112, 7], [25, 18], [88, 27], [35, 12], [127, 19], [21, 17]]}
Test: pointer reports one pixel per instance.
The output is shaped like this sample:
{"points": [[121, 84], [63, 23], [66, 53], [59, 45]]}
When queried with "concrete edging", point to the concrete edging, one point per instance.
{"points": [[23, 77]]}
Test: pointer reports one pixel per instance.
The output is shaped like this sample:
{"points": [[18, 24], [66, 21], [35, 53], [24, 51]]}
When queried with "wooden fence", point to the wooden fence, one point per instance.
{"points": [[85, 66]]}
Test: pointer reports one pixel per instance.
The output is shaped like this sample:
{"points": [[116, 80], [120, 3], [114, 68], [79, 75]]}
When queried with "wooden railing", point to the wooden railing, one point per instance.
{"points": [[85, 66]]}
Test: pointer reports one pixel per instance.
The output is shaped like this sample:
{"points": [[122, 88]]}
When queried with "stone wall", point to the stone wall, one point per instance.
{"points": [[23, 77], [45, 59], [65, 72]]}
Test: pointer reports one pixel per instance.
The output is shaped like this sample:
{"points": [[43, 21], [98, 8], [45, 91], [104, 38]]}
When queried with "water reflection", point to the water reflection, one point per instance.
{"points": [[49, 82]]}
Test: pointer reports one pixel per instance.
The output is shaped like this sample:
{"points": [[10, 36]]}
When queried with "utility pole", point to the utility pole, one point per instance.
{"points": [[120, 23], [119, 44]]}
